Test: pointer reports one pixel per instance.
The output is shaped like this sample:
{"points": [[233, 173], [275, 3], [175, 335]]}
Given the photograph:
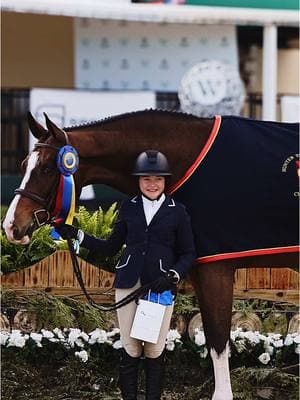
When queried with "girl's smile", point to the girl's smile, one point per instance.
{"points": [[152, 186]]}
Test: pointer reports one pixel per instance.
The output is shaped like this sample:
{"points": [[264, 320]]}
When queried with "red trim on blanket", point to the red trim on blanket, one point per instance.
{"points": [[200, 157], [247, 253]]}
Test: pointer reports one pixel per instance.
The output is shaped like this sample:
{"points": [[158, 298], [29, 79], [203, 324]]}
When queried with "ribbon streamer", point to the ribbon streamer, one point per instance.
{"points": [[65, 203], [64, 210]]}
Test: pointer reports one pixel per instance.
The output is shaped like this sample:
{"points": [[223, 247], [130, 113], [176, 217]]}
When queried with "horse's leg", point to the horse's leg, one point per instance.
{"points": [[214, 287]]}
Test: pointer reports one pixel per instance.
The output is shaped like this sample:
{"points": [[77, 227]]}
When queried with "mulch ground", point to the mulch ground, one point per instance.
{"points": [[74, 380], [45, 377]]}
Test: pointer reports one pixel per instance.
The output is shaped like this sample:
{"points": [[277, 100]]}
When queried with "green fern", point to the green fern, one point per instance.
{"points": [[56, 311], [15, 256], [98, 224], [87, 317], [50, 311]]}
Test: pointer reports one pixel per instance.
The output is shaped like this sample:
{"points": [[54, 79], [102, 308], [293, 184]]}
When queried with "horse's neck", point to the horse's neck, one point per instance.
{"points": [[107, 152]]}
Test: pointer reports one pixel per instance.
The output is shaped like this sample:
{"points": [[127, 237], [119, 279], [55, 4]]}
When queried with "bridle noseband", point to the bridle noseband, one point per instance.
{"points": [[46, 203]]}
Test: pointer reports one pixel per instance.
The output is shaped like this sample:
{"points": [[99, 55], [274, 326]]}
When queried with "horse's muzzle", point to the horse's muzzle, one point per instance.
{"points": [[20, 234]]}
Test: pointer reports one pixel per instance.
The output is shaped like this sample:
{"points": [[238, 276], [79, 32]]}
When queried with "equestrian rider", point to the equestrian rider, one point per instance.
{"points": [[159, 248]]}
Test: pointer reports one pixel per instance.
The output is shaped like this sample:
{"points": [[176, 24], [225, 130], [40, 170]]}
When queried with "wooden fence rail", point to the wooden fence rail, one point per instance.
{"points": [[54, 274]]}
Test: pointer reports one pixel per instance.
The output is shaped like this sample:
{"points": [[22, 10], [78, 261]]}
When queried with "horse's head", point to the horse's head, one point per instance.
{"points": [[35, 198]]}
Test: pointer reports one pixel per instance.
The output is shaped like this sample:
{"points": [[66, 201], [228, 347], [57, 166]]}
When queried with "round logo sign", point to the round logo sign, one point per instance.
{"points": [[210, 88]]}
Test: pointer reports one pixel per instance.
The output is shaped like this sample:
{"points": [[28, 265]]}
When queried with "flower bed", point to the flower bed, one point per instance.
{"points": [[72, 364], [252, 348]]}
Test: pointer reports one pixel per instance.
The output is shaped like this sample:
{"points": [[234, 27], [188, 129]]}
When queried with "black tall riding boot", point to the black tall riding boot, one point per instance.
{"points": [[128, 375], [154, 377]]}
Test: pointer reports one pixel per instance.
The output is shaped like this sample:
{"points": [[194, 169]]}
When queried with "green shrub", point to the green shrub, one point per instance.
{"points": [[99, 223]]}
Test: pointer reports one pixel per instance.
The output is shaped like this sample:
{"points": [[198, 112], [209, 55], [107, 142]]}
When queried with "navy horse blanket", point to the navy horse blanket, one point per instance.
{"points": [[242, 191]]}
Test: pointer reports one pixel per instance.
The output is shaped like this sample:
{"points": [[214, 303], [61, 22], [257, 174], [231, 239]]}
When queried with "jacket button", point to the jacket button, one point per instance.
{"points": [[146, 230], [143, 253]]}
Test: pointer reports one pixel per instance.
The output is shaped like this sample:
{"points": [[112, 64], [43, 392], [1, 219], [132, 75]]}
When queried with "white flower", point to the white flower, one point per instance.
{"points": [[98, 336], [203, 353], [262, 337], [288, 340], [264, 358], [3, 338], [269, 349], [114, 332], [83, 355], [117, 344], [54, 340], [16, 339], [37, 337], [58, 333], [170, 345], [278, 343], [84, 336], [173, 334], [235, 334], [79, 342], [78, 337], [242, 335], [73, 336], [47, 334], [199, 338], [297, 339], [252, 337], [297, 349], [268, 341]]}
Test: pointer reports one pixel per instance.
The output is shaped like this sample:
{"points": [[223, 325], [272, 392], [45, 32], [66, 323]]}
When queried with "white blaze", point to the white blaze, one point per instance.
{"points": [[10, 215], [222, 375]]}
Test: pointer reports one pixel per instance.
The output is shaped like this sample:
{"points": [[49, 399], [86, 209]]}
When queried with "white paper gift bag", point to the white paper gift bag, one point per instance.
{"points": [[147, 321]]}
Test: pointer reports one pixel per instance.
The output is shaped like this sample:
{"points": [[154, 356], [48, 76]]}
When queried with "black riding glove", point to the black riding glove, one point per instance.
{"points": [[166, 282], [67, 231]]}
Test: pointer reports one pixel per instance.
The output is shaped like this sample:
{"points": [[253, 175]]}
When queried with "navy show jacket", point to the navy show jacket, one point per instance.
{"points": [[166, 243]]}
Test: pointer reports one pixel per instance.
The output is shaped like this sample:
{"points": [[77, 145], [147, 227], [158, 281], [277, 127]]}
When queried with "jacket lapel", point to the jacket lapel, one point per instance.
{"points": [[139, 209]]}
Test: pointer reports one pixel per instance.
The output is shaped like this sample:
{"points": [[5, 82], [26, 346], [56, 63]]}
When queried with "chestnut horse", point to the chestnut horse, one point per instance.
{"points": [[107, 150]]}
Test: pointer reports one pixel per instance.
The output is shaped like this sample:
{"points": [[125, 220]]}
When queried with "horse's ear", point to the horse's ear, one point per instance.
{"points": [[37, 129], [55, 130]]}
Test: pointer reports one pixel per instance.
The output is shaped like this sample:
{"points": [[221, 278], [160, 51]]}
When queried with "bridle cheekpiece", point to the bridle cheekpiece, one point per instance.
{"points": [[67, 161]]}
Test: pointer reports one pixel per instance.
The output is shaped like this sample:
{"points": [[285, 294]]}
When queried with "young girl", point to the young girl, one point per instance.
{"points": [[159, 248]]}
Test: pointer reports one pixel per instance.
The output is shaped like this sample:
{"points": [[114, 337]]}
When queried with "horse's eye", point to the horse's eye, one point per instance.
{"points": [[47, 170]]}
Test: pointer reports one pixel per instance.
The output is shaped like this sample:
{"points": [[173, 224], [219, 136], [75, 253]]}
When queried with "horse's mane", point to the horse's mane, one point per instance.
{"points": [[131, 114]]}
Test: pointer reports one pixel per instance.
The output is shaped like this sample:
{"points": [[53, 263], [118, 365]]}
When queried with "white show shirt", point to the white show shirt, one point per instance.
{"points": [[152, 206]]}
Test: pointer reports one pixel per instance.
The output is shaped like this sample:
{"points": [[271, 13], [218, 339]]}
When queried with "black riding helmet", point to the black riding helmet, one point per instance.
{"points": [[151, 162]]}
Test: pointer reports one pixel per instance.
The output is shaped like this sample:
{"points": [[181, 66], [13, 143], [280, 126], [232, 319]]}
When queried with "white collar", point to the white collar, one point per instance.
{"points": [[151, 203], [151, 207]]}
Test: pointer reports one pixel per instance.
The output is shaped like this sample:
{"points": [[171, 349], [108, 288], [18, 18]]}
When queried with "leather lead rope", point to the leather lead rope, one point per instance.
{"points": [[134, 296]]}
